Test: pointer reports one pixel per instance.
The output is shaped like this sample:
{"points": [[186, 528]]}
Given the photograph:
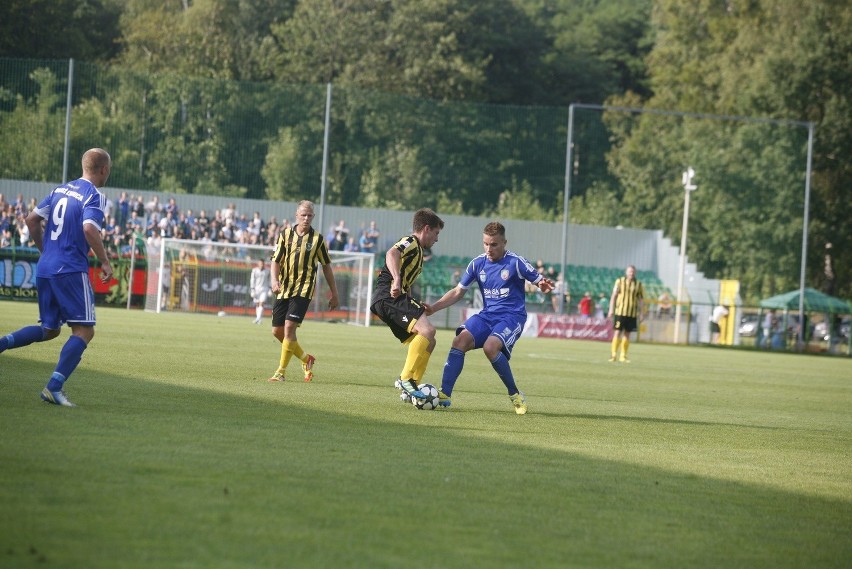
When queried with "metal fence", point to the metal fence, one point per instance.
{"points": [[181, 134]]}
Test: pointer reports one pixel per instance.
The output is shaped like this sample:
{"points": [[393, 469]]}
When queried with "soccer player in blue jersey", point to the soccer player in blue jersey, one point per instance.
{"points": [[501, 276], [64, 226]]}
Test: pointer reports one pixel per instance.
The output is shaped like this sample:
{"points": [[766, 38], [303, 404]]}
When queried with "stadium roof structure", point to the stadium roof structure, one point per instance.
{"points": [[815, 301]]}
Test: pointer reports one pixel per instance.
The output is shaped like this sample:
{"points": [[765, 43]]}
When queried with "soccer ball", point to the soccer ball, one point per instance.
{"points": [[430, 401]]}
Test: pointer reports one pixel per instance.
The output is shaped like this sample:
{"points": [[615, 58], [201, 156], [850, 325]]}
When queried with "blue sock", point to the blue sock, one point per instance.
{"points": [[501, 366], [57, 380], [23, 337], [452, 370], [69, 357]]}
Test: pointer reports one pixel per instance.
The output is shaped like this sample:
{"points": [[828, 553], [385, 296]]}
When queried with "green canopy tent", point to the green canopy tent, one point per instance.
{"points": [[815, 301]]}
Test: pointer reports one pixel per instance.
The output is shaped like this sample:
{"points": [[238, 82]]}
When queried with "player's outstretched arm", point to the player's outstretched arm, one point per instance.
{"points": [[450, 297], [545, 285]]}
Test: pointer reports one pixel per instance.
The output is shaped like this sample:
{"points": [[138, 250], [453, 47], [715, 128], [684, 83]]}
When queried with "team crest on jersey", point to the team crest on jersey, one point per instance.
{"points": [[482, 275], [504, 274], [307, 246]]}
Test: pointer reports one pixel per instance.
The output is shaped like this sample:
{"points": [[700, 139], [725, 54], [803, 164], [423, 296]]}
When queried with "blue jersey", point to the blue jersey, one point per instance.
{"points": [[501, 282], [67, 209]]}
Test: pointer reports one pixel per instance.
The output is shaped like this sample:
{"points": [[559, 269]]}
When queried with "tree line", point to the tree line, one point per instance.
{"points": [[462, 105]]}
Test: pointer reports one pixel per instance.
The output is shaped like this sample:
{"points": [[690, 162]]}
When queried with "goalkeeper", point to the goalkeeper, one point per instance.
{"points": [[293, 280], [392, 301]]}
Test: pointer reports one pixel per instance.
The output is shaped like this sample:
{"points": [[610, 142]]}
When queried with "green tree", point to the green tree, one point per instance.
{"points": [[58, 29], [595, 48], [281, 171], [781, 60], [41, 119], [519, 202], [401, 46], [208, 38]]}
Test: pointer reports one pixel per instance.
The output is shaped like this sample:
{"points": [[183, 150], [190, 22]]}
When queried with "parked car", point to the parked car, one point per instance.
{"points": [[821, 331], [748, 325]]}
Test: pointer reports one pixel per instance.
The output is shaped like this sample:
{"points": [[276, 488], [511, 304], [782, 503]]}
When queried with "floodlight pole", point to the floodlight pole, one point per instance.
{"points": [[805, 221], [688, 187], [324, 173], [566, 202], [67, 146]]}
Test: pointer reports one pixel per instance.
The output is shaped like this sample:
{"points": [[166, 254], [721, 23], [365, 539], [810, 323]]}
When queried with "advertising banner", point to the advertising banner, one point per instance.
{"points": [[18, 277], [17, 274], [574, 327], [561, 326]]}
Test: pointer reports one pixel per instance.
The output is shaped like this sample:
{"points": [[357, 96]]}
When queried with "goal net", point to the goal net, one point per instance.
{"points": [[212, 277]]}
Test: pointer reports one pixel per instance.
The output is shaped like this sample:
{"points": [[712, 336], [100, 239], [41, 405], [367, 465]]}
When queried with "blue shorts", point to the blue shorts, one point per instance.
{"points": [[66, 298], [507, 327]]}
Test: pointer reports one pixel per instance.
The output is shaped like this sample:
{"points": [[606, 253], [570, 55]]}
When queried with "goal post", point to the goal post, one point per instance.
{"points": [[212, 277]]}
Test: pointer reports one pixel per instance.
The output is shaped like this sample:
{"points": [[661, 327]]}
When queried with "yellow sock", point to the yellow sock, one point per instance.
{"points": [[615, 341], [416, 348], [625, 343], [420, 366], [286, 354]]}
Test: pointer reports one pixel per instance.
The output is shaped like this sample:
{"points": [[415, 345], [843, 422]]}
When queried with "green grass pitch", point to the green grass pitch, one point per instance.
{"points": [[180, 454]]}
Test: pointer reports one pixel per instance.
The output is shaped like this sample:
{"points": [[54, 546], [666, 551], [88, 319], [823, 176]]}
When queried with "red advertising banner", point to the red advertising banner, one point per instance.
{"points": [[561, 326], [574, 327]]}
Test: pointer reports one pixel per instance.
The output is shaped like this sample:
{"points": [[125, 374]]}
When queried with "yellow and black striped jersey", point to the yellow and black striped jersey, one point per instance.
{"points": [[627, 300], [298, 255], [410, 264]]}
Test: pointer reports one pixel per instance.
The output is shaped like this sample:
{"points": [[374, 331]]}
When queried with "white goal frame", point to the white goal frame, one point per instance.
{"points": [[170, 287]]}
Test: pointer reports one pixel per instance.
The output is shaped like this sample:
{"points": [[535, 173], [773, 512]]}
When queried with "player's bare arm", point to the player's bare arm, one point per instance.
{"points": [[334, 301], [612, 301], [450, 297], [392, 260], [274, 275], [95, 241], [36, 226], [545, 284]]}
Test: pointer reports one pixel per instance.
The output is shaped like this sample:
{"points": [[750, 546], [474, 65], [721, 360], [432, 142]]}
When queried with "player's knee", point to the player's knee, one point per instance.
{"points": [[463, 342], [50, 334], [425, 329], [85, 333], [492, 349]]}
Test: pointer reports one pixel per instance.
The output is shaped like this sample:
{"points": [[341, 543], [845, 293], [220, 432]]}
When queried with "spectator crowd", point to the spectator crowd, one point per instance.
{"points": [[133, 217], [13, 227]]}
